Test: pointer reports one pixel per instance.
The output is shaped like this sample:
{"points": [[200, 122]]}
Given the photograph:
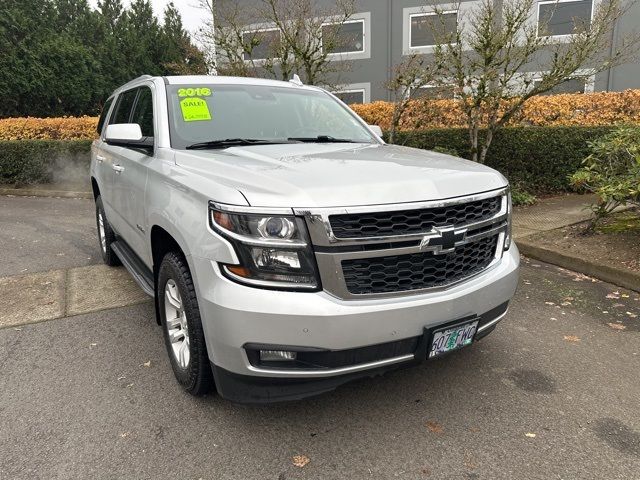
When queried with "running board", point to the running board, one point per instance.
{"points": [[136, 267]]}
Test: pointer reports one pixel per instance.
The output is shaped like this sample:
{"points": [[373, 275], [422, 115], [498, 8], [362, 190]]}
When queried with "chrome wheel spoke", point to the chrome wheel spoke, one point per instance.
{"points": [[176, 324], [176, 335], [173, 323]]}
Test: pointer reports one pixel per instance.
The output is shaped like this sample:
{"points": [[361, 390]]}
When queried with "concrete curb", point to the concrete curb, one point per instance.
{"points": [[36, 192], [606, 273]]}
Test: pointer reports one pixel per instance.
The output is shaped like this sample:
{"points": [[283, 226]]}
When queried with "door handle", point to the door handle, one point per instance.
{"points": [[118, 168], [100, 158]]}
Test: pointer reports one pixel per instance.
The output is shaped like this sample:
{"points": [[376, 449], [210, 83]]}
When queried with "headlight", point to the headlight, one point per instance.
{"points": [[274, 250], [507, 238]]}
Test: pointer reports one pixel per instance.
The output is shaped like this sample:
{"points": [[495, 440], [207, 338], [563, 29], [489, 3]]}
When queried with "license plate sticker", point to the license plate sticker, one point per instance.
{"points": [[452, 338]]}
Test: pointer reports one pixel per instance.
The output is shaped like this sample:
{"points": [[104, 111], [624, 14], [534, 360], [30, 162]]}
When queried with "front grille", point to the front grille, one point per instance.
{"points": [[415, 271], [405, 222]]}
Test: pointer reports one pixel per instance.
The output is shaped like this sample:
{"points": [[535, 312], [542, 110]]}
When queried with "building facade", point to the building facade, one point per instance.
{"points": [[384, 32]]}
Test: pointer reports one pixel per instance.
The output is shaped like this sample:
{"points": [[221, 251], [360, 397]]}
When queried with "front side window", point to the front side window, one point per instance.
{"points": [[262, 44], [124, 106], [103, 115], [571, 85], [344, 38], [350, 96], [563, 17], [143, 112], [213, 112], [428, 29]]}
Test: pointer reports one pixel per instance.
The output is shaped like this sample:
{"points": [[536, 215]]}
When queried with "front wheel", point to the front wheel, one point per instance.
{"points": [[182, 327], [106, 235]]}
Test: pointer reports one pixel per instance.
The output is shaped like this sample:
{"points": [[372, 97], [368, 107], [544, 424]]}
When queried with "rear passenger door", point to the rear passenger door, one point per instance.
{"points": [[130, 169]]}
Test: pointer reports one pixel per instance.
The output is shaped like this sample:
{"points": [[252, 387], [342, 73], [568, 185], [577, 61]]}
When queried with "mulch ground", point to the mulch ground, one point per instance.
{"points": [[616, 242]]}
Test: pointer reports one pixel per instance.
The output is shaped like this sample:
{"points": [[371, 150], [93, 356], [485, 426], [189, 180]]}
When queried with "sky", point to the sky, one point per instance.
{"points": [[191, 15]]}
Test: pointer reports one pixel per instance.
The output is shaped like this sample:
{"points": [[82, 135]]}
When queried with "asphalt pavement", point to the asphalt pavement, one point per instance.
{"points": [[553, 393]]}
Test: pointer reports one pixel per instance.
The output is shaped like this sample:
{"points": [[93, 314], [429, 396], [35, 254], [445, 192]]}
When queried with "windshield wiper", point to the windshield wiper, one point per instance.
{"points": [[323, 139], [230, 142]]}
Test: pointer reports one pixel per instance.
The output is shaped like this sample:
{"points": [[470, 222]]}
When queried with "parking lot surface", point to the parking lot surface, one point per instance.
{"points": [[552, 393]]}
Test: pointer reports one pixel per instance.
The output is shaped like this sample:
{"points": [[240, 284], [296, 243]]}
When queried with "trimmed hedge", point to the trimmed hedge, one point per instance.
{"points": [[537, 159], [24, 162]]}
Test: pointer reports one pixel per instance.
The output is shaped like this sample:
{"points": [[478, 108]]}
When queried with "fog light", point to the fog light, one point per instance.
{"points": [[273, 258], [277, 356]]}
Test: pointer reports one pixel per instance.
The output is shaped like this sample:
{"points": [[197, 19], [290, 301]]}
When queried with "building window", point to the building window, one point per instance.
{"points": [[265, 43], [351, 96], [425, 29], [432, 92], [563, 17], [346, 38], [571, 85]]}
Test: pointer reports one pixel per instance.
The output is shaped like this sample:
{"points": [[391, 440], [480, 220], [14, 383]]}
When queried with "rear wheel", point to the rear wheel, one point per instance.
{"points": [[182, 327], [106, 235]]}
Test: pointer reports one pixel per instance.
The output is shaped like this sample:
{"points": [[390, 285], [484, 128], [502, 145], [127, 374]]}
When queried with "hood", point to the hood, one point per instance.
{"points": [[339, 175]]}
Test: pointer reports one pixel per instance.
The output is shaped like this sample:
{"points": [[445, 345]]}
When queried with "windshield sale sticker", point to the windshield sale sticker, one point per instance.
{"points": [[194, 92], [194, 109]]}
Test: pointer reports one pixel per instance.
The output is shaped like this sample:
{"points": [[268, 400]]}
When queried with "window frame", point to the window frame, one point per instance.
{"points": [[112, 101], [153, 109], [354, 90], [259, 30], [561, 37], [588, 75], [428, 14], [349, 52]]}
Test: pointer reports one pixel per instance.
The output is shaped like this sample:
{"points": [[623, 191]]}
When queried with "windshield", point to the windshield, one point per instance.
{"points": [[209, 113]]}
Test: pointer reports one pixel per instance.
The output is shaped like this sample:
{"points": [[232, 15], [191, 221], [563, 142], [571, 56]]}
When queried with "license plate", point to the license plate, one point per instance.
{"points": [[452, 338]]}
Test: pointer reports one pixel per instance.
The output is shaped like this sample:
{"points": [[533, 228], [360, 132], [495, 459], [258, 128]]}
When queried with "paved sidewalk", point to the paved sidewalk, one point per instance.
{"points": [[558, 212], [551, 213]]}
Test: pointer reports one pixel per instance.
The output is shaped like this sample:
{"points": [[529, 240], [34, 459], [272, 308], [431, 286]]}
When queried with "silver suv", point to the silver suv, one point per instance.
{"points": [[287, 247]]}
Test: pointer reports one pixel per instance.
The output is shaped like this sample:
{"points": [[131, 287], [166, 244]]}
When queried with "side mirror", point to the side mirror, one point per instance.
{"points": [[127, 135], [376, 129]]}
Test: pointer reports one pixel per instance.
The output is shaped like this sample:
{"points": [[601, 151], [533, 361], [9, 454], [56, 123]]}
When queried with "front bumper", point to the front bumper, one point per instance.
{"points": [[234, 316]]}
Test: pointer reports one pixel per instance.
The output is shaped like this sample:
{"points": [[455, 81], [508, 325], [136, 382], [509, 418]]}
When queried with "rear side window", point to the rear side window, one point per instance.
{"points": [[103, 115], [143, 112], [122, 113]]}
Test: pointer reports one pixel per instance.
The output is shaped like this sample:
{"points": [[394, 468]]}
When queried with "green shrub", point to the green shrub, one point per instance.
{"points": [[24, 162], [537, 159], [612, 171], [521, 197]]}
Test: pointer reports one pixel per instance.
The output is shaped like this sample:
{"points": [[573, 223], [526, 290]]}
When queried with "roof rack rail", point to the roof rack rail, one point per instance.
{"points": [[141, 77]]}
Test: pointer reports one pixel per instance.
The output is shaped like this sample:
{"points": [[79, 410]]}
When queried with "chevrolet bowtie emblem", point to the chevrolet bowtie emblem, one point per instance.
{"points": [[442, 239]]}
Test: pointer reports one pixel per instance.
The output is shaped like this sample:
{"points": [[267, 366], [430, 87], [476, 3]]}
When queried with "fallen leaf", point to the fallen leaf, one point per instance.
{"points": [[571, 338], [435, 427], [617, 326], [530, 435], [624, 295], [147, 364], [300, 460], [124, 434]]}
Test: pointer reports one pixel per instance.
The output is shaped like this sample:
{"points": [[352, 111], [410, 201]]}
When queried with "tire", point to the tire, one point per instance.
{"points": [[183, 334], [106, 235]]}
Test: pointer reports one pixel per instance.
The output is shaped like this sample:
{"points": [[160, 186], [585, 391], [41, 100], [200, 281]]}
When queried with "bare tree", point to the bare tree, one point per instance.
{"points": [[486, 56], [206, 34], [307, 35], [407, 78]]}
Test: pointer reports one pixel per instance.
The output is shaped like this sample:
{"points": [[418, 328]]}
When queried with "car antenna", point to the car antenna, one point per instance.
{"points": [[296, 80]]}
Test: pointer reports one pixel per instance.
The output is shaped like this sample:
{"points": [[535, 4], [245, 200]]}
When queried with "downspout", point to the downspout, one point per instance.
{"points": [[614, 37], [389, 47]]}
